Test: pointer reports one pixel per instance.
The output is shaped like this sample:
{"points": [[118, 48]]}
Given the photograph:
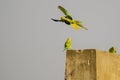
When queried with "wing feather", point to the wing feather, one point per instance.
{"points": [[65, 12]]}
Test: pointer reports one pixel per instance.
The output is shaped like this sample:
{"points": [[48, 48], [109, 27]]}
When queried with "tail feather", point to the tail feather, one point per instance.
{"points": [[56, 20]]}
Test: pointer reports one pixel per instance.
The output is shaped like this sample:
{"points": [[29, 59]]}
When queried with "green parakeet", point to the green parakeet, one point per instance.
{"points": [[69, 20], [113, 50], [68, 44]]}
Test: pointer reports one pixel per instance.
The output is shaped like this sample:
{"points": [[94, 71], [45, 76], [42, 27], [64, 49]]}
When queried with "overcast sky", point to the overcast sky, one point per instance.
{"points": [[31, 44]]}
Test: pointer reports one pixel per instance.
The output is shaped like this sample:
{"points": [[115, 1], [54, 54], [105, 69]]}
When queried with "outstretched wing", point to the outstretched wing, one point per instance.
{"points": [[65, 12], [75, 26], [80, 24]]}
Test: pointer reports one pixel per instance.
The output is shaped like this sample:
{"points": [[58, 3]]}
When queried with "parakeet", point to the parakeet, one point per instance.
{"points": [[113, 50], [69, 20], [68, 44]]}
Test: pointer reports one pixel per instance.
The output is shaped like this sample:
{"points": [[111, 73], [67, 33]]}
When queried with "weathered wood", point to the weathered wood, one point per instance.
{"points": [[92, 64]]}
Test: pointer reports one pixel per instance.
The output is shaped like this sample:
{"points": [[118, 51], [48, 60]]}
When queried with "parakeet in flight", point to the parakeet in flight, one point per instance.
{"points": [[113, 50], [69, 20], [68, 44]]}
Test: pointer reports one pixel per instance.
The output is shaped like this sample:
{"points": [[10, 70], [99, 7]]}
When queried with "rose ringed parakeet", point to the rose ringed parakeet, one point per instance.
{"points": [[113, 50], [68, 44], [69, 20]]}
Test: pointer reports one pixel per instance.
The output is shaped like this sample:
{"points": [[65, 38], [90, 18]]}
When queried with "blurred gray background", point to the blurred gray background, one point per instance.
{"points": [[31, 44]]}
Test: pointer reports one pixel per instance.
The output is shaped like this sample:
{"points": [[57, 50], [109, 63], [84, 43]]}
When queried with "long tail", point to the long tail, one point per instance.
{"points": [[56, 20]]}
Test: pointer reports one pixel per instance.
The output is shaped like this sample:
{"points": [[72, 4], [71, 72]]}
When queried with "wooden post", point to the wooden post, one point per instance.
{"points": [[92, 64]]}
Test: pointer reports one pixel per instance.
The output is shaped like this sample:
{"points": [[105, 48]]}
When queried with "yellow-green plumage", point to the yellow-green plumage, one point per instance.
{"points": [[113, 50], [68, 44], [69, 20], [67, 14]]}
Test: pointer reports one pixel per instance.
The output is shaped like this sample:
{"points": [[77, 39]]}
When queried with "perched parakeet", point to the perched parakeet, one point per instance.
{"points": [[68, 44], [113, 50], [69, 20]]}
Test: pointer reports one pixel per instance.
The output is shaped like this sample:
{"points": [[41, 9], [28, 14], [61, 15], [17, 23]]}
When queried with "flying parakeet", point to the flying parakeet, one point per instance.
{"points": [[113, 50], [68, 44], [69, 20]]}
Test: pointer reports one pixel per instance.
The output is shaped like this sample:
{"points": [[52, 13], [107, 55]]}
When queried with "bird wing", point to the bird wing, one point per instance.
{"points": [[65, 12], [111, 50], [80, 24], [75, 26]]}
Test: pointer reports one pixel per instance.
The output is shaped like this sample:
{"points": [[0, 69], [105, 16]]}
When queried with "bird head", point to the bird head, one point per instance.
{"points": [[63, 18], [70, 38], [113, 47]]}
